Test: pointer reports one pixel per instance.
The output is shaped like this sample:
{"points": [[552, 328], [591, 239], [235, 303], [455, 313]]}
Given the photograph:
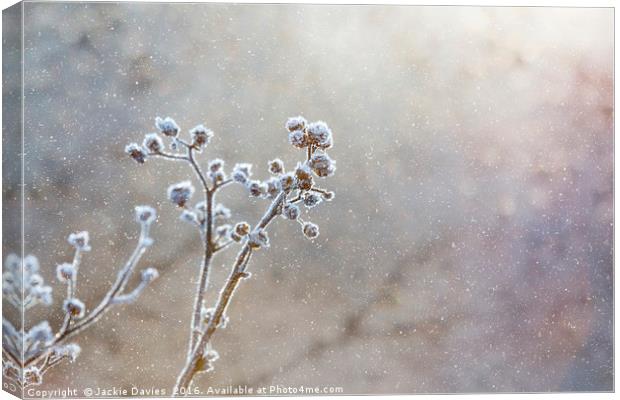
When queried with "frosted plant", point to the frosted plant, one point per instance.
{"points": [[285, 190], [28, 354]]}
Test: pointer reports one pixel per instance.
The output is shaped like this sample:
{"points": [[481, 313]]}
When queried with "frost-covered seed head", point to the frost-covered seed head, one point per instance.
{"points": [[167, 126], [311, 200], [222, 230], [31, 263], [291, 211], [221, 212], [276, 166], [13, 262], [66, 272], [298, 139], [328, 196], [149, 275], [273, 187], [305, 184], [189, 216], [145, 214], [295, 124], [79, 240], [71, 351], [242, 228], [303, 171], [322, 165], [310, 230], [287, 181], [180, 193], [32, 376], [136, 152], [41, 332], [153, 143], [258, 239], [319, 134], [201, 136], [241, 173], [43, 294], [216, 165], [217, 176], [236, 237], [256, 188], [35, 280], [74, 307]]}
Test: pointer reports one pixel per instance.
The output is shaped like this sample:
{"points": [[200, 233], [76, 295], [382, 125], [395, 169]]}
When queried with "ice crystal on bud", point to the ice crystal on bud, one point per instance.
{"points": [[295, 124], [136, 152], [276, 166], [167, 126], [258, 239], [149, 275], [74, 307], [79, 240], [153, 143], [145, 214], [321, 164], [310, 230], [66, 272], [311, 200], [298, 139], [256, 188], [189, 217], [180, 193], [290, 211], [201, 136]]}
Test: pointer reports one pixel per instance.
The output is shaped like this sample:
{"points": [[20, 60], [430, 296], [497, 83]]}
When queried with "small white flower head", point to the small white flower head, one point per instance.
{"points": [[149, 275], [320, 135], [74, 307], [153, 143], [242, 228], [41, 332], [298, 139], [274, 187], [287, 181], [256, 188], [303, 174], [31, 263], [145, 214], [180, 193], [242, 173], [190, 217], [79, 240], [311, 199], [221, 212], [322, 165], [295, 124], [276, 166], [201, 136], [310, 230], [66, 272], [136, 152], [167, 126], [258, 239], [32, 376], [290, 211], [43, 294]]}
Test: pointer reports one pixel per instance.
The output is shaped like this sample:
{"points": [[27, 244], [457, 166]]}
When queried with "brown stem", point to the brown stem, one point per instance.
{"points": [[237, 273]]}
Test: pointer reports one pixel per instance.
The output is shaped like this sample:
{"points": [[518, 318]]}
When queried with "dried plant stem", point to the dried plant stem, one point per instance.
{"points": [[195, 360]]}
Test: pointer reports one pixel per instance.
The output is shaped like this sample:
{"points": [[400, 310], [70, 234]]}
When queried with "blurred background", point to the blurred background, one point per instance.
{"points": [[469, 246]]}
